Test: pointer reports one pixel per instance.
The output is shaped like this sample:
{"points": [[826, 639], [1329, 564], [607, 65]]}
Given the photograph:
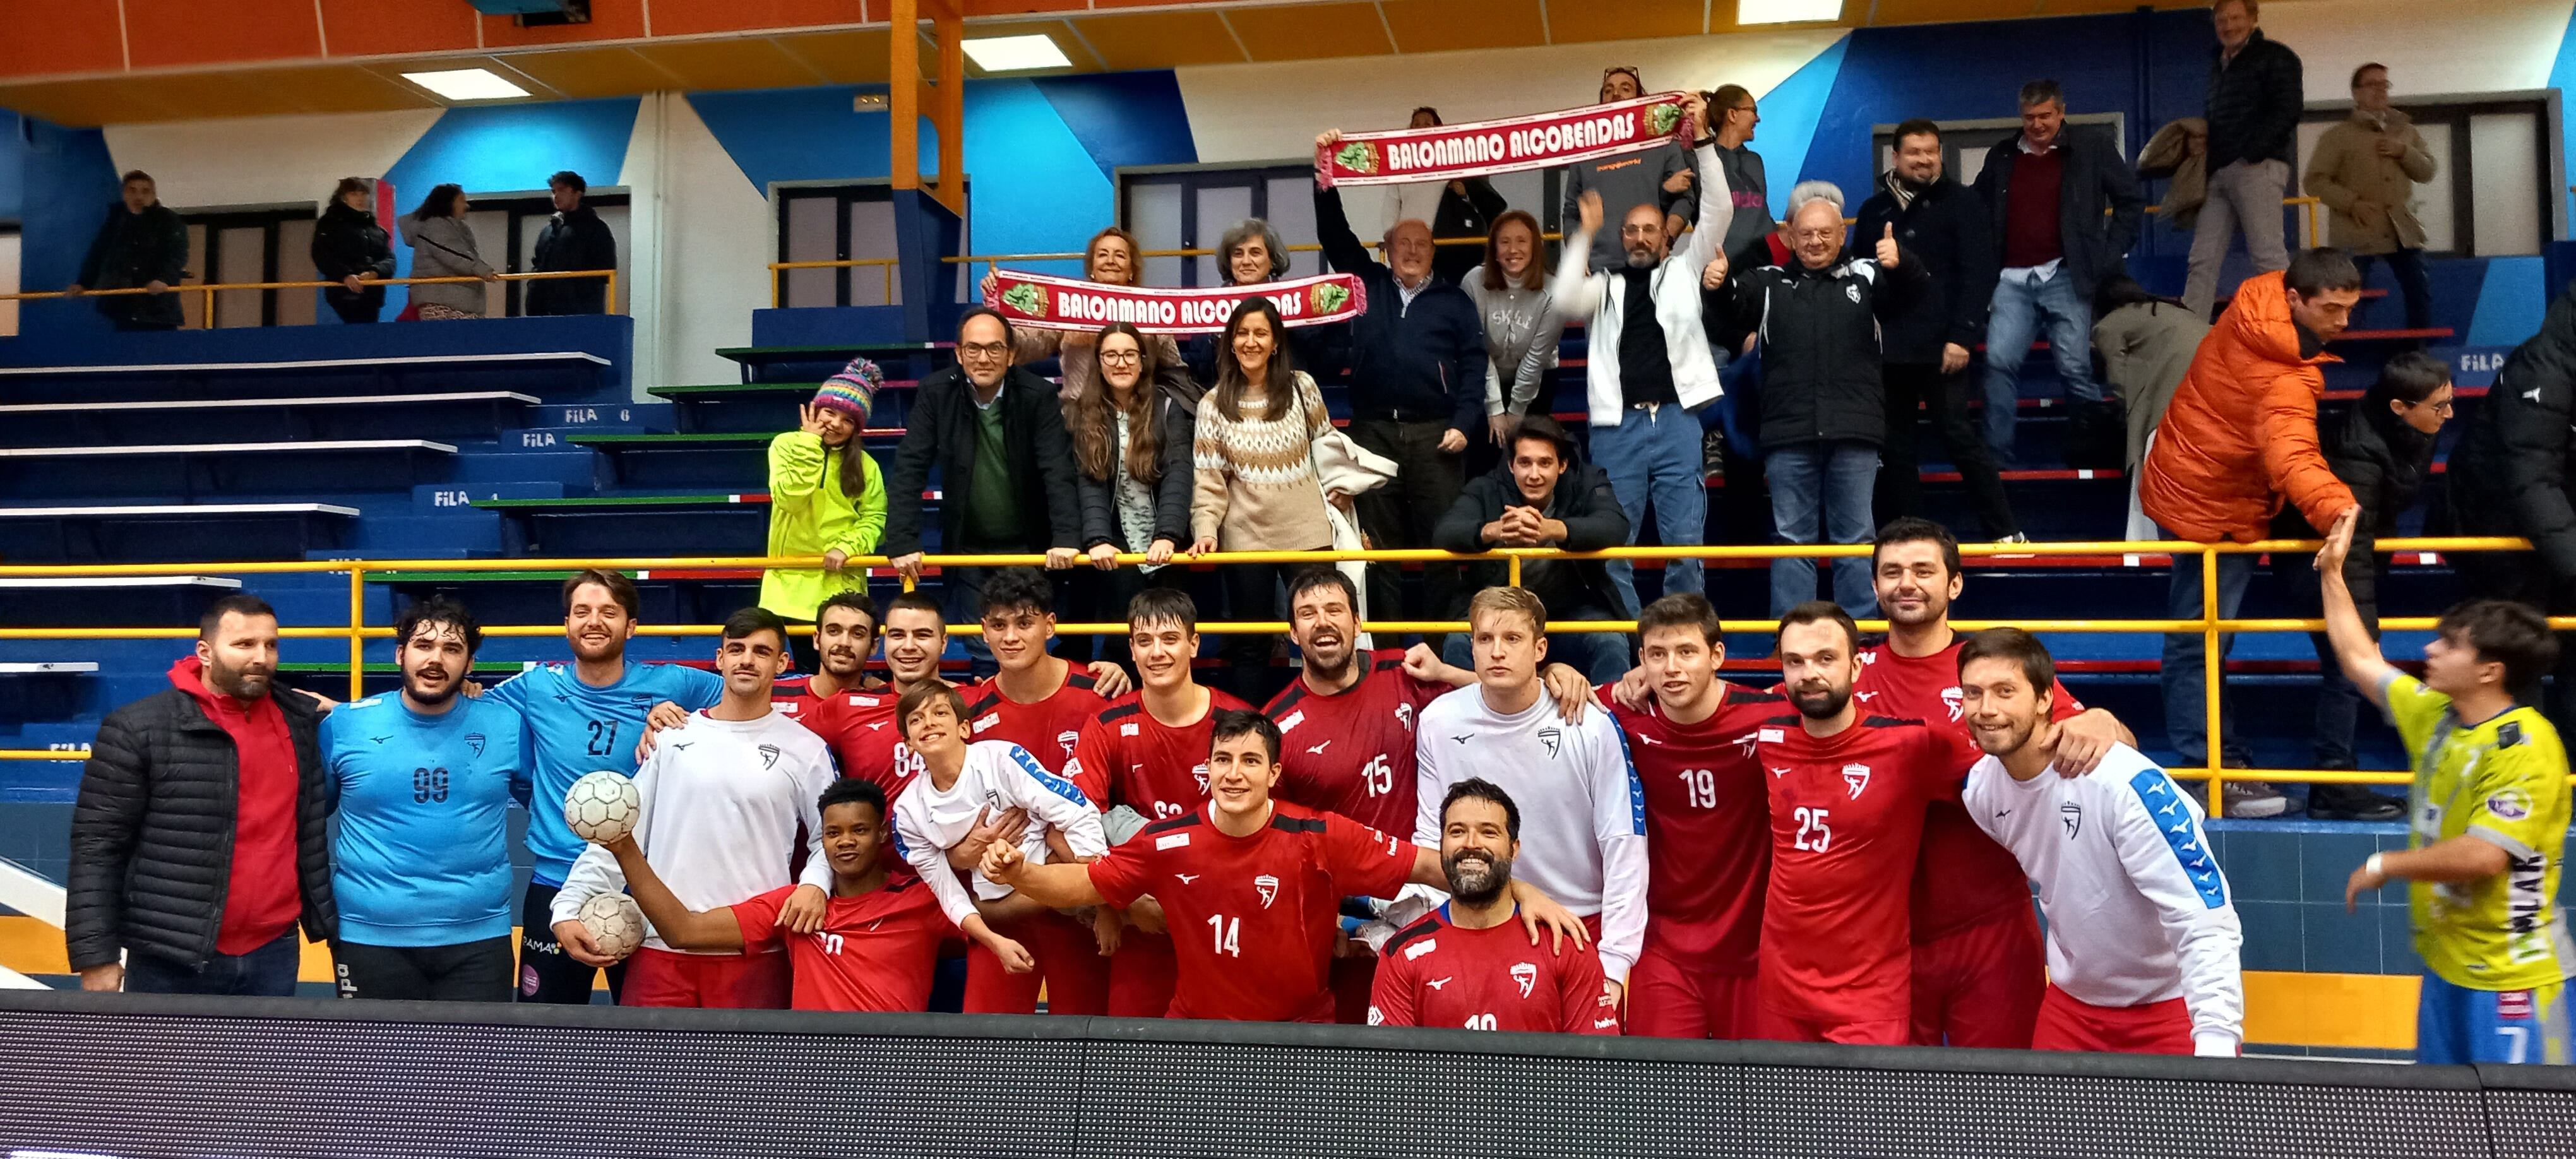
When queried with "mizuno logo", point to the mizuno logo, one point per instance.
{"points": [[1318, 750], [380, 739], [1437, 983], [1864, 696], [874, 725], [1464, 739], [1779, 772], [1186, 878]]}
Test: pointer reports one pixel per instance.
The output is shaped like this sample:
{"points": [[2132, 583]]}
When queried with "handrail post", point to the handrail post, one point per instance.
{"points": [[612, 291], [358, 633], [773, 285], [1516, 570], [2209, 673]]}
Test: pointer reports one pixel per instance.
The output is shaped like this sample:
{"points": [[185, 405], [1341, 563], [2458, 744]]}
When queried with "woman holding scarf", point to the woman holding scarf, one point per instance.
{"points": [[1111, 259]]}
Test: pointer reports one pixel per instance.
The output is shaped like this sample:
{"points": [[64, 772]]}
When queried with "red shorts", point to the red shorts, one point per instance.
{"points": [[1981, 985], [1780, 1027], [1142, 976], [2069, 1023], [1670, 998], [1353, 980], [713, 981], [1069, 965]]}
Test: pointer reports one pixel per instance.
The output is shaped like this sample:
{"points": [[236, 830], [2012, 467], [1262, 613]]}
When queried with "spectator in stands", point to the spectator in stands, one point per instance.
{"points": [[2239, 438], [574, 239], [1545, 495], [1255, 484], [1463, 209], [996, 434], [2366, 170], [1659, 177], [1417, 358], [142, 245], [1747, 244], [2255, 96], [1928, 343], [1111, 259], [2383, 450], [826, 498], [1252, 254], [201, 835], [351, 249], [2064, 209], [1824, 410], [1514, 296], [1133, 426], [2146, 343], [442, 246], [1650, 365], [2510, 475]]}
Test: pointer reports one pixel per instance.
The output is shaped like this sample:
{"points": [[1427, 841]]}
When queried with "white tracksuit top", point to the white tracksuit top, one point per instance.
{"points": [[928, 821]]}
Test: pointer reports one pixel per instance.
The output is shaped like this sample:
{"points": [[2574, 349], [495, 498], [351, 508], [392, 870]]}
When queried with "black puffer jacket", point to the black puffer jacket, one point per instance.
{"points": [[1945, 222], [348, 241], [578, 240], [133, 250], [1571, 589], [2385, 462], [1821, 362], [1175, 408], [2254, 103], [152, 834], [2509, 472]]}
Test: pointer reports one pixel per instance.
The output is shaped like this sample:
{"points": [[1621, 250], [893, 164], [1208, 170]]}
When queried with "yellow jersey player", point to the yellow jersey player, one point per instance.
{"points": [[2488, 821]]}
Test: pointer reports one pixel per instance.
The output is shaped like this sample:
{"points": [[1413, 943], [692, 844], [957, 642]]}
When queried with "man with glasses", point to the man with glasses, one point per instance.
{"points": [[997, 436], [2366, 170]]}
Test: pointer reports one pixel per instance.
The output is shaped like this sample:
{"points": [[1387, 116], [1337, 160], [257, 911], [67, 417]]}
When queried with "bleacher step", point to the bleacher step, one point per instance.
{"points": [[448, 498]]}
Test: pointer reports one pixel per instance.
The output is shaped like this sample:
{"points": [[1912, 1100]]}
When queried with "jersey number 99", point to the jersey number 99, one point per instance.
{"points": [[428, 785]]}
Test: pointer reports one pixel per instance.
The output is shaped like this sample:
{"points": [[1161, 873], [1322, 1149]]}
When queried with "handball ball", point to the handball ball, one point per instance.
{"points": [[601, 807], [615, 925]]}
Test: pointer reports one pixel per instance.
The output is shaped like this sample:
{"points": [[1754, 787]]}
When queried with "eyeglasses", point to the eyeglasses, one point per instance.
{"points": [[982, 351], [1121, 357], [2442, 408], [1804, 236]]}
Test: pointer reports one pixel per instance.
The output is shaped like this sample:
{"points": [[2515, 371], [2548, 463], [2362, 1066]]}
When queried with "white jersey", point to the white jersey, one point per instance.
{"points": [[723, 801], [998, 775], [1583, 814], [2137, 909]]}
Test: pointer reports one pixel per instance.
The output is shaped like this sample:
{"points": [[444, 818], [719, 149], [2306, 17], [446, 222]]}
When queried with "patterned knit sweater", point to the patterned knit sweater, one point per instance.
{"points": [[1256, 478]]}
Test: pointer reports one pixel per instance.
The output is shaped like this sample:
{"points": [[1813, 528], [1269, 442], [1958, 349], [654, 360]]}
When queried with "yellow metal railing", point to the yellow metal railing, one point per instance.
{"points": [[206, 312], [776, 299], [356, 631]]}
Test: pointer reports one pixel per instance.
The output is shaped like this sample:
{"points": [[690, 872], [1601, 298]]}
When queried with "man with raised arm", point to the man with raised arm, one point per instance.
{"points": [[1253, 887], [880, 937], [2142, 943], [2489, 828]]}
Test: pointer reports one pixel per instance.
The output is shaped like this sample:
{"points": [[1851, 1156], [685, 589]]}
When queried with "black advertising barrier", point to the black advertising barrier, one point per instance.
{"points": [[137, 1076]]}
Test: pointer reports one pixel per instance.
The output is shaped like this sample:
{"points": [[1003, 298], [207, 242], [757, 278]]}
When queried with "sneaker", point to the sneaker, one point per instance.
{"points": [[2252, 800], [2015, 537], [1712, 456], [2352, 803]]}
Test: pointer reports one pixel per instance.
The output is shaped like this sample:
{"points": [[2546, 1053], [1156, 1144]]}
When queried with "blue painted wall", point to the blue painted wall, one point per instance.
{"points": [[65, 183], [508, 147]]}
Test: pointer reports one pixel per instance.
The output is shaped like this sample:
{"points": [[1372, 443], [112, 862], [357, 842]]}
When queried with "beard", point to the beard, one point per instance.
{"points": [[2008, 740], [414, 687], [1820, 703], [1643, 259], [843, 662], [1475, 876], [248, 683]]}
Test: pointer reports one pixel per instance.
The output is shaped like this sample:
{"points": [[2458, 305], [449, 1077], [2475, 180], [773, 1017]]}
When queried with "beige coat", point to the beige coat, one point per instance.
{"points": [[2179, 151], [2349, 175]]}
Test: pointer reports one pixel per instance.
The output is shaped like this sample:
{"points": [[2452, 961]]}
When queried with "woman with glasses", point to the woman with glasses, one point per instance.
{"points": [[1111, 259], [1132, 419], [1255, 485], [2383, 450]]}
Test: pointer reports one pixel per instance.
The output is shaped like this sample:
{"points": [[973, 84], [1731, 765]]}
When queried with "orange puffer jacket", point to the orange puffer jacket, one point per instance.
{"points": [[2242, 430]]}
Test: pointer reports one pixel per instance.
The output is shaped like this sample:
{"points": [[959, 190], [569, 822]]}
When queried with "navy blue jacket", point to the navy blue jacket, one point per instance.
{"points": [[1420, 361]]}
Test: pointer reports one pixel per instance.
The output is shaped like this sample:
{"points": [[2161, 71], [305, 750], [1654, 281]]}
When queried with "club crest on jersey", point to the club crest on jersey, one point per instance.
{"points": [[1950, 700], [1404, 716], [1526, 975], [475, 741], [1202, 774], [1268, 887], [1292, 720], [1552, 738], [769, 756], [2072, 815], [1066, 738], [1856, 776]]}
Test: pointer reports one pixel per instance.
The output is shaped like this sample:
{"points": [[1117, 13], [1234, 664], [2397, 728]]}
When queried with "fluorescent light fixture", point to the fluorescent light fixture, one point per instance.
{"points": [[467, 84], [1786, 11], [1016, 53]]}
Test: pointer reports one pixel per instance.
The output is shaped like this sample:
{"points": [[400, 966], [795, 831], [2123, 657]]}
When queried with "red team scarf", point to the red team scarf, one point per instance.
{"points": [[1484, 148], [1039, 302]]}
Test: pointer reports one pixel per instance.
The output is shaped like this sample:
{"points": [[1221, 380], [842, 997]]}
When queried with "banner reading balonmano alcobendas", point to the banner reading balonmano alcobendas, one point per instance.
{"points": [[1044, 303], [1483, 148]]}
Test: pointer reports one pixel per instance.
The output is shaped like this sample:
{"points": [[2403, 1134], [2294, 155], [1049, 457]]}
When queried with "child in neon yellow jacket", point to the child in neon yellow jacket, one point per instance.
{"points": [[826, 495]]}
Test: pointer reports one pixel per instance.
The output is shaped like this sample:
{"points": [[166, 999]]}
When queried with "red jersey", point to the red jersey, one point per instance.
{"points": [[1047, 728], [859, 725], [875, 952], [1708, 845], [1979, 880], [1846, 821], [1253, 918], [1436, 974], [1126, 757], [1352, 752]]}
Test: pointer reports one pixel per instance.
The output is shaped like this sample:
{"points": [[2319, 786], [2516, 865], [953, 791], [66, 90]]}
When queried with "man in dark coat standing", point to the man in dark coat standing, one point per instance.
{"points": [[1928, 340], [2513, 472], [574, 239], [2256, 94], [143, 245], [201, 837]]}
